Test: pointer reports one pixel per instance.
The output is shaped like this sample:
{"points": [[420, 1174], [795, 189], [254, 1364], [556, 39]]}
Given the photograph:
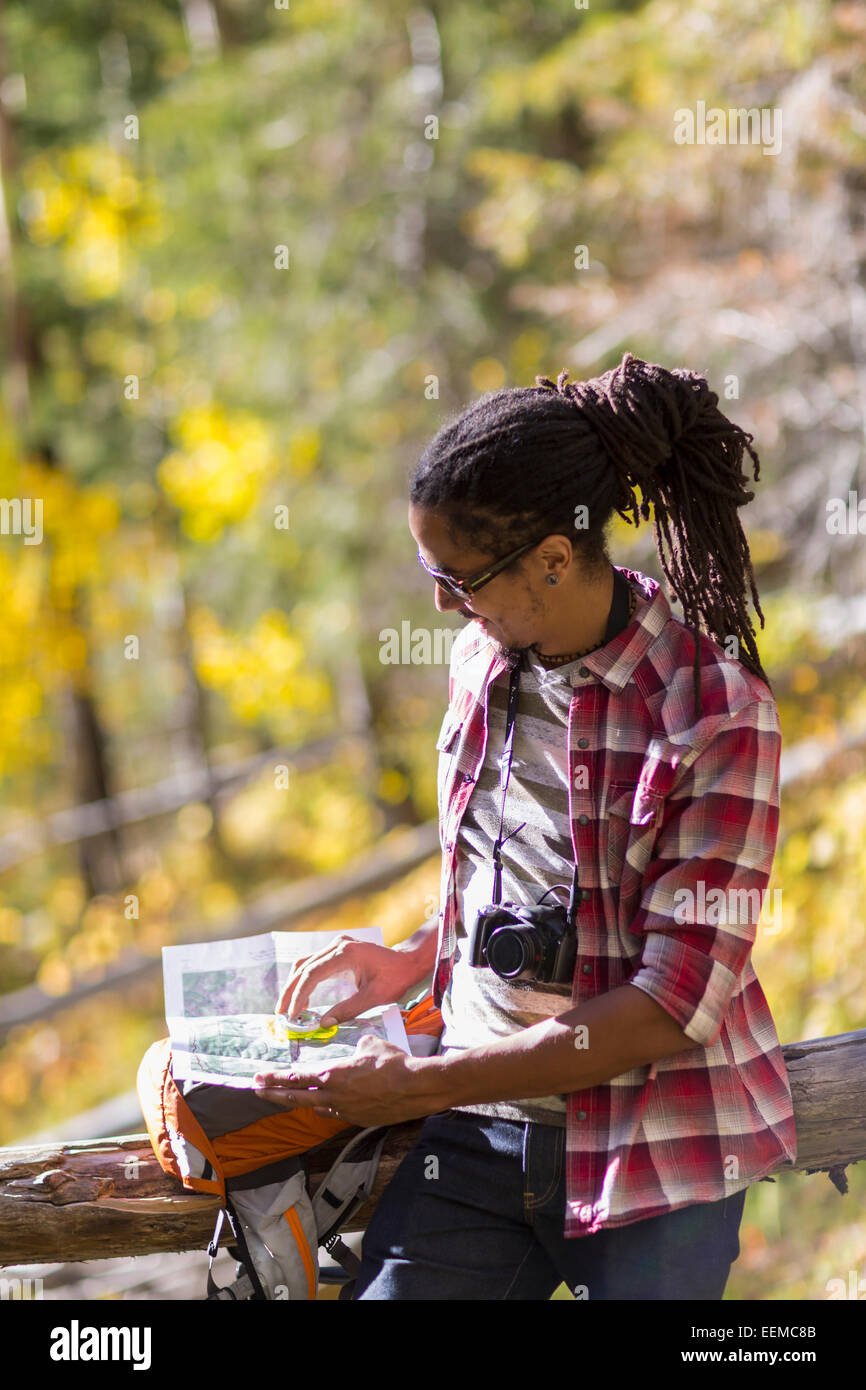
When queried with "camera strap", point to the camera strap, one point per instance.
{"points": [[504, 774], [617, 619]]}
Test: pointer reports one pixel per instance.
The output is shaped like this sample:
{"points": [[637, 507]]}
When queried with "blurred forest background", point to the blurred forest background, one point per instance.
{"points": [[251, 256]]}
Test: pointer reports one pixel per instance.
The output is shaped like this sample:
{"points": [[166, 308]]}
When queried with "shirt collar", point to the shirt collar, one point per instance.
{"points": [[613, 664]]}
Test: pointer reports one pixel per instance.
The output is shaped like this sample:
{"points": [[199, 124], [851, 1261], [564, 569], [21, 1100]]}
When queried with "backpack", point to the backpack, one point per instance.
{"points": [[253, 1155]]}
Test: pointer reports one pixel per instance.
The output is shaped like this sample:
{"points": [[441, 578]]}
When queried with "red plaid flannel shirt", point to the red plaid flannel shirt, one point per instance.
{"points": [[659, 802]]}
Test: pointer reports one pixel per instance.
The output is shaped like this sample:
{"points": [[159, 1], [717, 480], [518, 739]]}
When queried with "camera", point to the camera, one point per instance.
{"points": [[534, 942]]}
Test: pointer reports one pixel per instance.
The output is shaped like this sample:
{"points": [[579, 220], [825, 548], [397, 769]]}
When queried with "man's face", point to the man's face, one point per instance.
{"points": [[511, 607]]}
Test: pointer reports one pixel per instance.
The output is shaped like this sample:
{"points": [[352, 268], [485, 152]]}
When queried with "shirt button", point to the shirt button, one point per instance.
{"points": [[583, 820], [467, 777], [583, 671], [584, 894], [583, 743], [581, 1115], [587, 970]]}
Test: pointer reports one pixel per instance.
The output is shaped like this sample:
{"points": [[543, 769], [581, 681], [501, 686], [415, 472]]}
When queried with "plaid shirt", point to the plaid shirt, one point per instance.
{"points": [[659, 802]]}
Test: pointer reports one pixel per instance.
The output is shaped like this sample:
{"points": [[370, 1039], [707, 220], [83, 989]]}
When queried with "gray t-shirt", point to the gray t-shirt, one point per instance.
{"points": [[478, 1007]]}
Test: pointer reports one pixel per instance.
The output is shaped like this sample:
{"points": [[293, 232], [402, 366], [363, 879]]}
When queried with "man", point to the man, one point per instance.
{"points": [[602, 1128]]}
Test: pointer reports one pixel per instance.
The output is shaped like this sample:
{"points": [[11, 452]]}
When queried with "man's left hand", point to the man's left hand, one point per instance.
{"points": [[378, 1085]]}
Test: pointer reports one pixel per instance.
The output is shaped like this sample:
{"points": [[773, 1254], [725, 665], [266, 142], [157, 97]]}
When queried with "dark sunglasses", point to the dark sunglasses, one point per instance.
{"points": [[465, 588]]}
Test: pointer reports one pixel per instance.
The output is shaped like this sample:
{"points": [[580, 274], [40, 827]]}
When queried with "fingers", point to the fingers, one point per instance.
{"points": [[372, 968], [290, 1080], [349, 1008], [291, 984], [309, 971], [290, 1100], [292, 1091], [276, 1095]]}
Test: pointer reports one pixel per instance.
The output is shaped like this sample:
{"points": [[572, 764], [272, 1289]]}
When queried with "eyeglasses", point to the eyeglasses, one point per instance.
{"points": [[465, 588]]}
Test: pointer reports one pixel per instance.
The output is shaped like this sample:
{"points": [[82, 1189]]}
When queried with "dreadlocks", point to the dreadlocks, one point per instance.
{"points": [[522, 461]]}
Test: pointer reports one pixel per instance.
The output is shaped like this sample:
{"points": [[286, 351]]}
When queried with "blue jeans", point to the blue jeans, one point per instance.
{"points": [[476, 1210]]}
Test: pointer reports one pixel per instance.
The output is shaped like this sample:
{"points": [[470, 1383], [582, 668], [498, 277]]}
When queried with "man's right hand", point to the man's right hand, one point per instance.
{"points": [[382, 976]]}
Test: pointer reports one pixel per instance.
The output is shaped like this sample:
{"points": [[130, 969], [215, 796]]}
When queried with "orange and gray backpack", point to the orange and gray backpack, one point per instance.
{"points": [[253, 1155]]}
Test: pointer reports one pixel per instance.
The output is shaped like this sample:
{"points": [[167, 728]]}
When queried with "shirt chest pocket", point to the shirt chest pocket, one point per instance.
{"points": [[448, 734], [448, 746], [632, 820]]}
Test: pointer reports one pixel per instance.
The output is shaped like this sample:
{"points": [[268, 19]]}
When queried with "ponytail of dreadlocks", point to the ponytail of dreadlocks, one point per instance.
{"points": [[639, 440]]}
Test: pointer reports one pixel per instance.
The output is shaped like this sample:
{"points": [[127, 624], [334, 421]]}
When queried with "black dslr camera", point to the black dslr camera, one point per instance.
{"points": [[534, 942]]}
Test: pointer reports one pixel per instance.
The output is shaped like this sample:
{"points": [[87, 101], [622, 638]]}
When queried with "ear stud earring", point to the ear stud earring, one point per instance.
{"points": [[551, 579]]}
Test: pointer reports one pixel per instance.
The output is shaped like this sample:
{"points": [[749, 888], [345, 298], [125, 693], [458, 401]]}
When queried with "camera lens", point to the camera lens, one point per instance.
{"points": [[512, 952]]}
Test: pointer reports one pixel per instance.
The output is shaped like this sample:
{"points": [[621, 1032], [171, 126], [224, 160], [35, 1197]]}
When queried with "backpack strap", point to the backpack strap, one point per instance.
{"points": [[344, 1189], [339, 1251], [247, 1284]]}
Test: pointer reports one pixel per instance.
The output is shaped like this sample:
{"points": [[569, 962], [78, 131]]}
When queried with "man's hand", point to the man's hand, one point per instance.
{"points": [[383, 974], [378, 1085]]}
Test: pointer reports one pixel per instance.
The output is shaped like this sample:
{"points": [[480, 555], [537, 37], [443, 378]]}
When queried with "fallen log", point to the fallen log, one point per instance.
{"points": [[109, 1197]]}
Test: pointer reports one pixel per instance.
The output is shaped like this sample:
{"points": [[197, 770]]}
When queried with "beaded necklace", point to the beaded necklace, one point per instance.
{"points": [[551, 662]]}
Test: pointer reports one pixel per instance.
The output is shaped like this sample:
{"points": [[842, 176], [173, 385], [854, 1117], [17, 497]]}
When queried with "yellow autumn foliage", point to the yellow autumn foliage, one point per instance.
{"points": [[89, 202], [216, 475], [259, 672], [42, 646]]}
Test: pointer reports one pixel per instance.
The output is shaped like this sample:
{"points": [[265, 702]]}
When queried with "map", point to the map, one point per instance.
{"points": [[220, 1003]]}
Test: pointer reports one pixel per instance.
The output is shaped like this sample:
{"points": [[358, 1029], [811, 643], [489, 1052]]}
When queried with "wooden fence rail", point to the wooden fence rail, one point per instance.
{"points": [[108, 1197], [398, 854], [77, 823]]}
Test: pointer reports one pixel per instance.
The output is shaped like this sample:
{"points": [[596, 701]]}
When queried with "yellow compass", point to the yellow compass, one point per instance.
{"points": [[303, 1025]]}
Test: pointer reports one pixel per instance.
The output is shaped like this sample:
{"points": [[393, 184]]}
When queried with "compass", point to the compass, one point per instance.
{"points": [[303, 1025]]}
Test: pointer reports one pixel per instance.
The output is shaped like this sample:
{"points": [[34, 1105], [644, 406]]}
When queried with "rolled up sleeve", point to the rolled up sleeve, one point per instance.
{"points": [[704, 886]]}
